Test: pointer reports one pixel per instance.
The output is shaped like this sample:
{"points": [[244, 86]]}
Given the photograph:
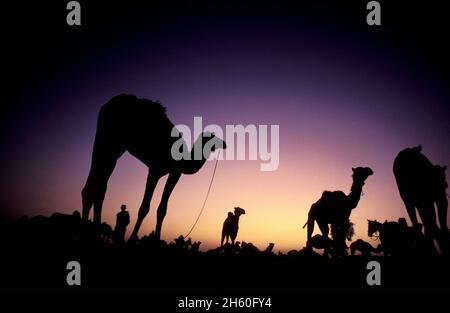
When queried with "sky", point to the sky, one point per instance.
{"points": [[343, 94]]}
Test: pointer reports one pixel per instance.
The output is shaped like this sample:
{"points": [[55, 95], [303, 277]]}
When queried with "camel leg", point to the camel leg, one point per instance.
{"points": [[104, 175], [94, 191], [107, 149], [428, 216], [325, 230], [150, 186], [411, 210], [442, 206], [87, 195], [223, 238], [443, 236], [162, 208], [226, 237]]}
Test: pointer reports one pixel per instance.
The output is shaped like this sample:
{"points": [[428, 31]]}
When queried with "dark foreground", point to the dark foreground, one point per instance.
{"points": [[163, 278], [34, 260]]}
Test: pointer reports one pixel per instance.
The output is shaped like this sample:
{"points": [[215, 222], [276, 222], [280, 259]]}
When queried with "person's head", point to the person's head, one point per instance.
{"points": [[123, 207]]}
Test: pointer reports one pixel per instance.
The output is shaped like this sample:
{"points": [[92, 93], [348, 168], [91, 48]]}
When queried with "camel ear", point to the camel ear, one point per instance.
{"points": [[444, 167], [353, 169]]}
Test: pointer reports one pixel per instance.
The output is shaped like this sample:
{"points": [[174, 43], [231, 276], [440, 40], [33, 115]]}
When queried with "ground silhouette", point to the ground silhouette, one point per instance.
{"points": [[181, 267], [422, 184], [142, 128]]}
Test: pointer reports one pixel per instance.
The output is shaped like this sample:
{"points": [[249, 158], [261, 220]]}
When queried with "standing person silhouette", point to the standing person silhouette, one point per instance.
{"points": [[122, 221]]}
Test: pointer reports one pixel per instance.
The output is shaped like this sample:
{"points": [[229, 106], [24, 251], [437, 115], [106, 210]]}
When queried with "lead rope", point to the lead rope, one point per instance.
{"points": [[206, 198]]}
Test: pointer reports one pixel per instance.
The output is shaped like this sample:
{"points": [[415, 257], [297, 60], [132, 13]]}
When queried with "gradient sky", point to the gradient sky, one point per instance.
{"points": [[344, 95]]}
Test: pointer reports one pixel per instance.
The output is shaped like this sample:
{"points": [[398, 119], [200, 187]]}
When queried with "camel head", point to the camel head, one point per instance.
{"points": [[238, 211], [205, 144], [360, 174]]}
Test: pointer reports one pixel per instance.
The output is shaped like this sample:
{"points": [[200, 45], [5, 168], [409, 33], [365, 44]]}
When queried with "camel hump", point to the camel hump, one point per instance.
{"points": [[411, 157], [125, 105], [412, 167], [333, 195], [126, 118], [115, 105]]}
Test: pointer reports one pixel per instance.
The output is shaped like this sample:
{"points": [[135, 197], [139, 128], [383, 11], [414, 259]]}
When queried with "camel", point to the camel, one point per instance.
{"points": [[335, 207], [422, 184], [142, 128], [397, 238], [364, 247], [249, 249], [231, 225]]}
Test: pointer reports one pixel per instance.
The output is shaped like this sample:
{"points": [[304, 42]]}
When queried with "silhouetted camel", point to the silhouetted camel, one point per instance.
{"points": [[249, 249], [364, 247], [421, 185], [335, 207], [397, 238], [142, 128], [231, 225]]}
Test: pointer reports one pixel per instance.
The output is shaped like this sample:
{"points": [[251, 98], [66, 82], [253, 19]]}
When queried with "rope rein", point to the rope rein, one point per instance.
{"points": [[206, 198]]}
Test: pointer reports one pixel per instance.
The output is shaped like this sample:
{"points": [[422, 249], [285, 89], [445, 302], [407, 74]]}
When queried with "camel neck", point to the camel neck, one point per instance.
{"points": [[197, 158], [355, 194]]}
